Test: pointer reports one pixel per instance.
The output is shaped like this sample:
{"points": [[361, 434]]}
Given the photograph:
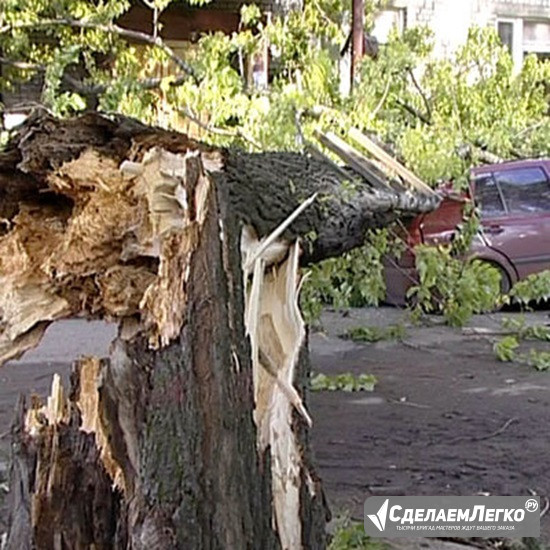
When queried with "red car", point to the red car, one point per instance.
{"points": [[514, 202]]}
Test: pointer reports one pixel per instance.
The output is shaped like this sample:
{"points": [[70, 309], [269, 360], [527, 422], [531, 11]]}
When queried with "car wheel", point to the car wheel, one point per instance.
{"points": [[505, 283]]}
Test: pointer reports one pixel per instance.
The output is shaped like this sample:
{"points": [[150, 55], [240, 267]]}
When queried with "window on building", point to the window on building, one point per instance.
{"points": [[510, 31], [506, 33], [523, 37], [536, 32], [536, 38]]}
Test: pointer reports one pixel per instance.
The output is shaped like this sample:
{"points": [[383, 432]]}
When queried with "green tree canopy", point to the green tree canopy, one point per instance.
{"points": [[429, 109]]}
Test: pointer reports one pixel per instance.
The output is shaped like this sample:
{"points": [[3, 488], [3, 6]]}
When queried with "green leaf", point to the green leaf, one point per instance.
{"points": [[347, 382], [505, 349]]}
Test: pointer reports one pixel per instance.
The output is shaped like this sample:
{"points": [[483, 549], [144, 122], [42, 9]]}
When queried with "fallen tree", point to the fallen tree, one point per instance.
{"points": [[193, 433]]}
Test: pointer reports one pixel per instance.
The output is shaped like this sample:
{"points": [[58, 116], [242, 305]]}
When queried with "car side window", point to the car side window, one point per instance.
{"points": [[525, 190], [488, 197]]}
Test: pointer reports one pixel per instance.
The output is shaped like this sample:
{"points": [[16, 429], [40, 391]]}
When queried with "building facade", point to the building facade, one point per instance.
{"points": [[523, 25]]}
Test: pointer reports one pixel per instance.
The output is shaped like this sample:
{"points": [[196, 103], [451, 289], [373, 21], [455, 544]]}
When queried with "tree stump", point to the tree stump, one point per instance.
{"points": [[193, 433]]}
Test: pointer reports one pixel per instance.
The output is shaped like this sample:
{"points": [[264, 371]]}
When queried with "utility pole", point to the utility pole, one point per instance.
{"points": [[357, 36]]}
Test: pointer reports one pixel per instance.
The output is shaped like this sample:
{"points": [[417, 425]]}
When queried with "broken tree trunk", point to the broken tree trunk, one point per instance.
{"points": [[193, 433]]}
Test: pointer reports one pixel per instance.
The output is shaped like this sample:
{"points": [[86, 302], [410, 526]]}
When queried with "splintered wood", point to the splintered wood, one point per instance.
{"points": [[276, 330], [118, 246], [117, 243]]}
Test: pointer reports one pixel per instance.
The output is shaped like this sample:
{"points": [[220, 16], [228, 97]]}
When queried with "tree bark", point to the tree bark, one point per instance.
{"points": [[194, 432]]}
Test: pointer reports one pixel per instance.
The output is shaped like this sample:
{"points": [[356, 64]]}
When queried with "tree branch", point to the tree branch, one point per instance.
{"points": [[422, 94], [529, 129], [145, 84], [219, 131], [81, 87], [111, 28], [414, 112], [383, 98], [22, 65]]}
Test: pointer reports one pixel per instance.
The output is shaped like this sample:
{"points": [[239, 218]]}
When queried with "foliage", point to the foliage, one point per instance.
{"points": [[522, 330], [453, 283], [457, 288], [473, 97], [375, 334], [506, 349], [540, 360], [354, 279], [427, 108], [534, 288], [347, 382]]}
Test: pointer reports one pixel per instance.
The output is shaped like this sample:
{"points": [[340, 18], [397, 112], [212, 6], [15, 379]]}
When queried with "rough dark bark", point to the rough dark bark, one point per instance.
{"points": [[193, 433], [264, 187], [200, 397], [179, 427], [60, 494]]}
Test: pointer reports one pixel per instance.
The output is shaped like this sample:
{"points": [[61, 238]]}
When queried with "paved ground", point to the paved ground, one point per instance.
{"points": [[445, 417]]}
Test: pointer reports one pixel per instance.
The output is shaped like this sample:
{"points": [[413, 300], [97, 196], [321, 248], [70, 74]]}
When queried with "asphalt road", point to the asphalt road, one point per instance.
{"points": [[445, 418]]}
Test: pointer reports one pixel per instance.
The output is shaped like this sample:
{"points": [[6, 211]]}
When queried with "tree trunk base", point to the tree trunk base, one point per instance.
{"points": [[194, 432], [186, 436]]}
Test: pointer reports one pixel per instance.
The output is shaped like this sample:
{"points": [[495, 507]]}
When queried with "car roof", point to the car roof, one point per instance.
{"points": [[511, 165]]}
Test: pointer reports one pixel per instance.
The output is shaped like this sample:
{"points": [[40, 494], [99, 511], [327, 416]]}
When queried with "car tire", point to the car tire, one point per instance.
{"points": [[505, 282]]}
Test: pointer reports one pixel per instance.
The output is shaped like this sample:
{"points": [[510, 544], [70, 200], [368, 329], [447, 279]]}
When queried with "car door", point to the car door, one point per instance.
{"points": [[515, 213]]}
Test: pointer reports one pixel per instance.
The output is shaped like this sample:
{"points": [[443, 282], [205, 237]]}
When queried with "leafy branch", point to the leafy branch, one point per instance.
{"points": [[347, 382], [506, 349], [97, 89], [422, 93], [111, 28], [219, 131]]}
